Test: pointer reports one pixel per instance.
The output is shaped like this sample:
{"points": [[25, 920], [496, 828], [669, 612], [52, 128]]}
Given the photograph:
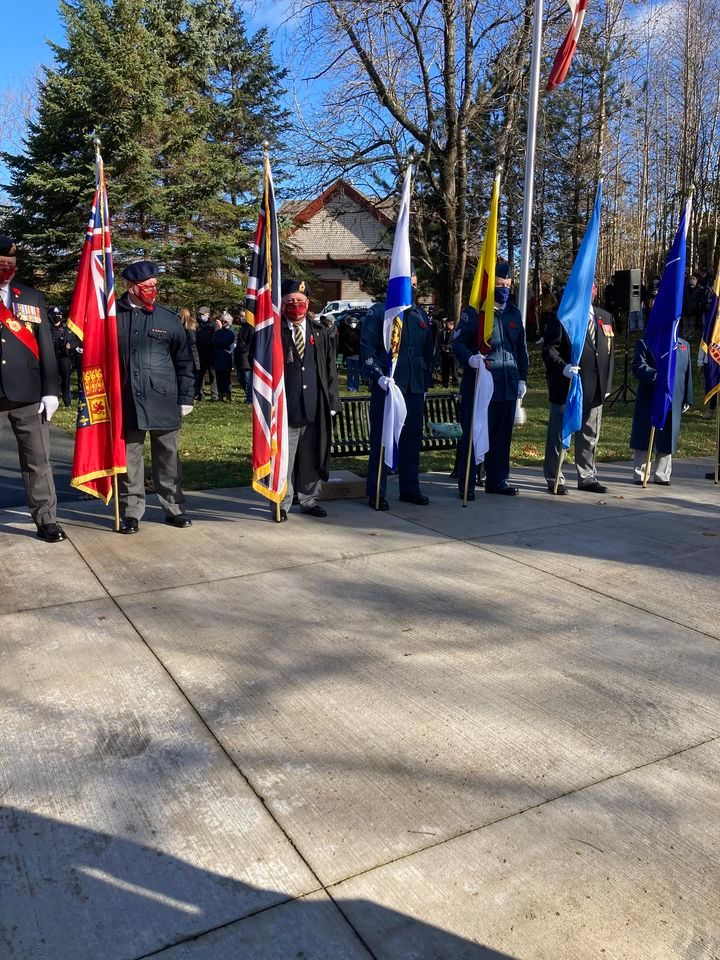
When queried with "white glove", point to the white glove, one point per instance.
{"points": [[476, 361], [384, 382], [570, 370], [185, 409], [49, 405], [522, 389], [686, 407], [333, 412]]}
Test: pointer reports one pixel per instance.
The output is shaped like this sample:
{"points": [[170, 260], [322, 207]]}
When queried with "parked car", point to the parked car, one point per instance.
{"points": [[338, 306]]}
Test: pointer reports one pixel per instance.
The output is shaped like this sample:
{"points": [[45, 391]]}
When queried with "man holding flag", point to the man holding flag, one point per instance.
{"points": [[596, 372], [396, 347], [710, 357], [503, 350], [29, 388], [662, 365]]}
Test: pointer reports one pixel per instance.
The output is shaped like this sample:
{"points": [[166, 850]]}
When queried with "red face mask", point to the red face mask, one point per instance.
{"points": [[147, 296], [6, 275], [295, 310]]}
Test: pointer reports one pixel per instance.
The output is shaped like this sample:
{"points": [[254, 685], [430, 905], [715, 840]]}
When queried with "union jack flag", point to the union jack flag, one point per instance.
{"points": [[262, 307], [99, 441]]}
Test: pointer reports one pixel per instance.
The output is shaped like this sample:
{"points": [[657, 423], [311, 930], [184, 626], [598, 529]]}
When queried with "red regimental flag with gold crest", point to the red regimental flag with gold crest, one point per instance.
{"points": [[99, 442]]}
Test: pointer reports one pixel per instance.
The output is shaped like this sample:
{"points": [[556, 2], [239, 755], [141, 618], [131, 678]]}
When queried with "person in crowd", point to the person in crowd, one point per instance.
{"points": [[666, 440], [349, 347], [190, 325], [694, 303], [223, 350], [63, 352], [243, 354], [548, 306], [595, 371], [204, 339], [635, 317], [650, 297], [157, 383], [29, 388], [448, 363], [312, 397], [413, 373], [508, 362]]}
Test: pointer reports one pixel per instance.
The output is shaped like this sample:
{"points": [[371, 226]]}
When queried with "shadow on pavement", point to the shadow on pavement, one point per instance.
{"points": [[70, 893]]}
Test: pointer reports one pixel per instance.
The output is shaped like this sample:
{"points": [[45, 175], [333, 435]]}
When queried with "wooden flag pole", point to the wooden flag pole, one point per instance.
{"points": [[277, 511], [559, 468], [471, 446], [649, 457], [117, 503], [717, 440], [377, 479]]}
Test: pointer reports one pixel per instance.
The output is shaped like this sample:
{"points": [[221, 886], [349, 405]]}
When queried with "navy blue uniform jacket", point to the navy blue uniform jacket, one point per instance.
{"points": [[643, 366], [507, 360], [413, 371]]}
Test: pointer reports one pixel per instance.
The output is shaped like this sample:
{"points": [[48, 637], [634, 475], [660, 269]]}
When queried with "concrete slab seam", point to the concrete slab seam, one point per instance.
{"points": [[606, 596], [518, 813]]}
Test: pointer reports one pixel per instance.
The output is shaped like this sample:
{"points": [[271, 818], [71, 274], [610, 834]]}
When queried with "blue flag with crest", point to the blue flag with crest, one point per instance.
{"points": [[574, 312], [661, 334]]}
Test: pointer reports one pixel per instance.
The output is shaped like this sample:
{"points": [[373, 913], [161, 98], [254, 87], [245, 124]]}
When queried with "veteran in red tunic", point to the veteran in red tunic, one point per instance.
{"points": [[29, 388]]}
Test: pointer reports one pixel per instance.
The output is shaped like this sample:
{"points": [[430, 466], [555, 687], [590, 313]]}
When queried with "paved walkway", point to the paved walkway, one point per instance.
{"points": [[434, 734]]}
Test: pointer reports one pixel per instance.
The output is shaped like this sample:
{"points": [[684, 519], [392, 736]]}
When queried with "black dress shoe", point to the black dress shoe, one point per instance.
{"points": [[129, 525], [594, 488], [316, 511], [710, 476], [661, 483], [470, 496], [382, 503], [51, 532], [561, 490], [179, 520], [419, 499], [506, 491]]}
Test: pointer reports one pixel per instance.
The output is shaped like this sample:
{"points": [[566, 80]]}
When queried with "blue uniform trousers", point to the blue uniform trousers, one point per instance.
{"points": [[408, 446], [501, 416]]}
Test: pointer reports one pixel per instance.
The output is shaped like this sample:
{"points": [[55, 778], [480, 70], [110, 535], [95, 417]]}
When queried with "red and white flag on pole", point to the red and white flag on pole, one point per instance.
{"points": [[564, 56]]}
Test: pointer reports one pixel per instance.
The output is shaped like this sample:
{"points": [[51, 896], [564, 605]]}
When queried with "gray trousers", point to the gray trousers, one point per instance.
{"points": [[586, 441], [166, 473], [663, 464], [32, 434], [301, 468]]}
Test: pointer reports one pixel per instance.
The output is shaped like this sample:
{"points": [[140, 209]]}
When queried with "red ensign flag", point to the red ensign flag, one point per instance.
{"points": [[99, 443], [564, 56]]}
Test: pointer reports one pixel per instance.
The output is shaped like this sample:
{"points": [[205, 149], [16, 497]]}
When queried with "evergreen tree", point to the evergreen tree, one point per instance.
{"points": [[181, 100]]}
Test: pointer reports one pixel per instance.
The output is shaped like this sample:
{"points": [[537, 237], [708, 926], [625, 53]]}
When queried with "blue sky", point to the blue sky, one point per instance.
{"points": [[29, 24]]}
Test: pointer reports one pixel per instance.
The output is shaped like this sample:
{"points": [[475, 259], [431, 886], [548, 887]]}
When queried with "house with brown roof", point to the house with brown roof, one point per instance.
{"points": [[339, 230]]}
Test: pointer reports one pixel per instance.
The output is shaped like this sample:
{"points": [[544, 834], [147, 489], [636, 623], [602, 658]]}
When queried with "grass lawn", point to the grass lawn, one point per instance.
{"points": [[216, 438]]}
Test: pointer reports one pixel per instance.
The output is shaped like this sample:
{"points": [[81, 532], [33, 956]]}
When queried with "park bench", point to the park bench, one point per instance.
{"points": [[351, 425]]}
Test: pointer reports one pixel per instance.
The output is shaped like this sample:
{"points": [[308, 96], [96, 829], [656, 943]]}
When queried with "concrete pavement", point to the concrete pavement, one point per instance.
{"points": [[452, 733]]}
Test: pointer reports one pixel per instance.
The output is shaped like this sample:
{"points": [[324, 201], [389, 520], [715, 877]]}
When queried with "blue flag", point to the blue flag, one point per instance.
{"points": [[661, 334], [574, 313]]}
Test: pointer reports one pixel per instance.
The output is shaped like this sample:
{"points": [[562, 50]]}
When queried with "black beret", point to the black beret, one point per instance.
{"points": [[7, 247], [295, 286], [503, 270], [141, 271]]}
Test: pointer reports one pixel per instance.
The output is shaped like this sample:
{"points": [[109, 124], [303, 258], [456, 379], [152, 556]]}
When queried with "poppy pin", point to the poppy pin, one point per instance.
{"points": [[683, 347], [312, 339], [512, 324], [423, 325], [17, 291]]}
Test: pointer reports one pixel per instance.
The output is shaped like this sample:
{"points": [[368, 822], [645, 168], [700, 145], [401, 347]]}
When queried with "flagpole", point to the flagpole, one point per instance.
{"points": [[533, 99], [649, 457], [717, 440], [471, 446], [101, 201], [559, 468], [379, 474]]}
